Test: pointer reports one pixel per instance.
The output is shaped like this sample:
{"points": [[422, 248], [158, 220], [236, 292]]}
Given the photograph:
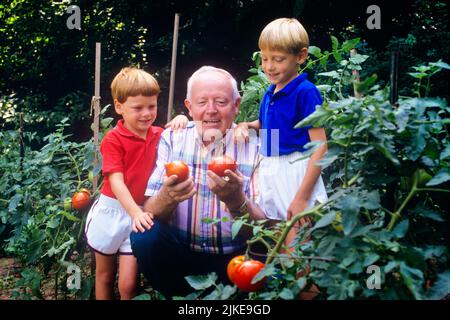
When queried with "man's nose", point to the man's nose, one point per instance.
{"points": [[211, 107]]}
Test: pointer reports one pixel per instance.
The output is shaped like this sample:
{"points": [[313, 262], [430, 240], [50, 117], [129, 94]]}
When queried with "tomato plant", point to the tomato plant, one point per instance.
{"points": [[219, 165], [178, 168]]}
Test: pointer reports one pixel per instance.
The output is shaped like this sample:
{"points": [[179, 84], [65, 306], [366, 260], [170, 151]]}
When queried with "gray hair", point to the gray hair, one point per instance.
{"points": [[204, 69]]}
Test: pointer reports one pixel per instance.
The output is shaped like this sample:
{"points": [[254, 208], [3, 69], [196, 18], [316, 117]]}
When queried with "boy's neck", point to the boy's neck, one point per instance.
{"points": [[279, 87]]}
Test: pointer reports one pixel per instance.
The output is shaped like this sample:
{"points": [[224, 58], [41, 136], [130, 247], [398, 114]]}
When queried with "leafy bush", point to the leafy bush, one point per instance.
{"points": [[36, 220]]}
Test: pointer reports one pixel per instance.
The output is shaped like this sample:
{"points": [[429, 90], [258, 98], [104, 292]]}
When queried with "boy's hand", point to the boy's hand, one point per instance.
{"points": [[297, 206], [241, 133], [179, 122], [142, 221]]}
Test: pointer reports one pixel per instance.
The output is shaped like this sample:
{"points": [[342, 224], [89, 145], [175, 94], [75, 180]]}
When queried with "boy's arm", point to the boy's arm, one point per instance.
{"points": [[255, 125], [141, 220], [179, 122], [313, 171], [301, 199]]}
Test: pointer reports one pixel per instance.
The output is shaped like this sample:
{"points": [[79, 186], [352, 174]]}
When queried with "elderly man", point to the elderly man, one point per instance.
{"points": [[180, 243]]}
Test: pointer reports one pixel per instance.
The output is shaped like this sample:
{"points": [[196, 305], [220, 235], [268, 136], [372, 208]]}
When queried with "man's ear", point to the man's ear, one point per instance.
{"points": [[237, 104], [302, 56], [188, 105], [117, 106]]}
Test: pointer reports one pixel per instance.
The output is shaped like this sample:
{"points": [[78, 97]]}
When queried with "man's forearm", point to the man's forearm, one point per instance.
{"points": [[160, 205]]}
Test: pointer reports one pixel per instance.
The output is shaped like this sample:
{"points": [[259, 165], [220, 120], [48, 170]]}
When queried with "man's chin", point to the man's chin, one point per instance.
{"points": [[210, 134]]}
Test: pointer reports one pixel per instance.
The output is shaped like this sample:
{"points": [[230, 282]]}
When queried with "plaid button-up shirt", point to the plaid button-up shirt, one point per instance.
{"points": [[187, 145]]}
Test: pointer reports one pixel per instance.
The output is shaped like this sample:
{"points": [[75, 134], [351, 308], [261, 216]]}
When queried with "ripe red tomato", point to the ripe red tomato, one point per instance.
{"points": [[232, 266], [245, 273], [81, 198], [219, 164], [178, 168]]}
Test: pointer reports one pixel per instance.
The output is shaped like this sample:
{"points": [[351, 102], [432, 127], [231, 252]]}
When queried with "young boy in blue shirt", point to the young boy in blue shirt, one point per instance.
{"points": [[287, 188]]}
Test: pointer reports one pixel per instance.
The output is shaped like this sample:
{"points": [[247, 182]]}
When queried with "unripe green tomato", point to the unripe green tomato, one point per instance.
{"points": [[67, 204], [337, 223], [91, 176], [423, 177], [49, 197]]}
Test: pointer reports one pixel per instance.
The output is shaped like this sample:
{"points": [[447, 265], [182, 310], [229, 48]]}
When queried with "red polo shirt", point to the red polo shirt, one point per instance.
{"points": [[125, 152]]}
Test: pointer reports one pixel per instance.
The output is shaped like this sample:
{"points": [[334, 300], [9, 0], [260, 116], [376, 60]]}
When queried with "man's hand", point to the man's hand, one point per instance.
{"points": [[177, 192], [229, 189], [142, 221]]}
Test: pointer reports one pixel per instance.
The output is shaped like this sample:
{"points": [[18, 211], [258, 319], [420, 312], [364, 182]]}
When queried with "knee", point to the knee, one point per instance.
{"points": [[144, 242], [127, 288], [105, 277]]}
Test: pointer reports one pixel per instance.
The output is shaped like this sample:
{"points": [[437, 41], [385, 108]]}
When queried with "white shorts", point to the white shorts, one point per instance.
{"points": [[108, 227], [279, 182]]}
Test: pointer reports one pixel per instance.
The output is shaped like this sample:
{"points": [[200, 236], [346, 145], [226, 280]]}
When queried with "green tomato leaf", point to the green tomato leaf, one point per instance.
{"points": [[237, 225], [202, 282]]}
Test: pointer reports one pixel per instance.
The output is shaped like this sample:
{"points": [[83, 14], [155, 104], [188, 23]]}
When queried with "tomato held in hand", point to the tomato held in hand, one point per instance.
{"points": [[245, 273], [81, 199], [178, 168], [232, 266], [218, 165]]}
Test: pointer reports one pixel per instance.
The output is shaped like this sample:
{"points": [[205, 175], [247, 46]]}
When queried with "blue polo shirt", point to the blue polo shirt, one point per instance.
{"points": [[282, 111]]}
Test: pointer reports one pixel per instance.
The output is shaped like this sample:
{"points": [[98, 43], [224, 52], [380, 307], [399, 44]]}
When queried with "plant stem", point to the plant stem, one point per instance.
{"points": [[397, 214], [433, 190], [289, 226], [347, 147], [76, 167]]}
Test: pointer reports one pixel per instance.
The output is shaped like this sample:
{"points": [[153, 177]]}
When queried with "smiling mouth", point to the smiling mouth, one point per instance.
{"points": [[211, 121]]}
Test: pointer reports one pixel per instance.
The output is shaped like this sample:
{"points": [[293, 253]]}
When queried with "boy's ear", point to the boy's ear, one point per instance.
{"points": [[302, 56], [188, 105], [117, 106]]}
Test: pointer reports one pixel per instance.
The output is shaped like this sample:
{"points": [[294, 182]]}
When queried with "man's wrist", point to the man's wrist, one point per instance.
{"points": [[239, 208]]}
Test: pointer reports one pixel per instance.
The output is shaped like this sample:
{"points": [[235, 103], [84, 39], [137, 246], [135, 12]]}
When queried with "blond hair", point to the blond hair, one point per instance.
{"points": [[130, 82], [284, 34], [204, 69]]}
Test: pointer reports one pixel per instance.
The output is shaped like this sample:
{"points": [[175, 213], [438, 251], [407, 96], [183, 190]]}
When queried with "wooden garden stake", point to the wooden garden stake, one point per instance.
{"points": [[393, 97], [96, 106], [173, 66], [356, 75]]}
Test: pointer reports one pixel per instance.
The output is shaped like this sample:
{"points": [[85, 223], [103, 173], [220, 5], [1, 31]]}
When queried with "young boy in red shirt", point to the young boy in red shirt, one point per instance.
{"points": [[129, 155]]}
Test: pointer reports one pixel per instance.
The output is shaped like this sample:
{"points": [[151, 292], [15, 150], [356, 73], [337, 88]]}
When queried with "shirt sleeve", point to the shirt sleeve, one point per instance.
{"points": [[164, 155], [112, 153], [307, 100]]}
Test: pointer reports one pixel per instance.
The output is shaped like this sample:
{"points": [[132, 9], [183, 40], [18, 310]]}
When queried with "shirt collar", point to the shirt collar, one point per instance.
{"points": [[287, 90], [223, 142], [122, 130]]}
